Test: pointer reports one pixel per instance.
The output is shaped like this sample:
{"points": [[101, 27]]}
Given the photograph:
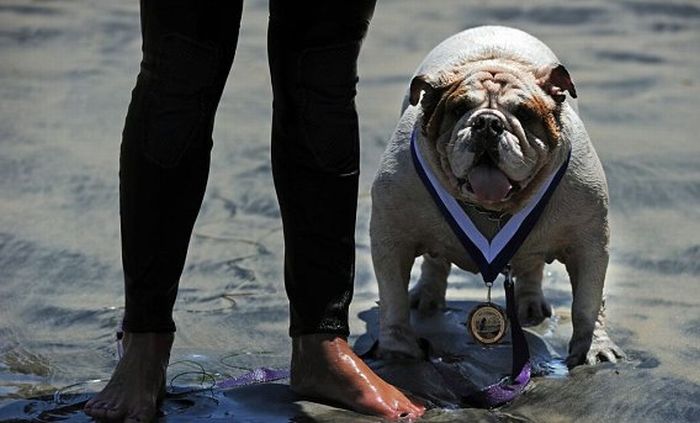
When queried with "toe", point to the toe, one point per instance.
{"points": [[96, 409], [411, 405], [418, 409], [619, 353], [407, 416], [592, 358], [411, 410], [113, 412], [406, 410], [144, 415], [90, 403], [384, 408], [608, 355]]}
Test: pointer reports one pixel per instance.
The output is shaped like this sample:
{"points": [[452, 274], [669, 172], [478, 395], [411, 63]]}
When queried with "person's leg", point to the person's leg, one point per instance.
{"points": [[188, 48], [315, 154], [313, 48]]}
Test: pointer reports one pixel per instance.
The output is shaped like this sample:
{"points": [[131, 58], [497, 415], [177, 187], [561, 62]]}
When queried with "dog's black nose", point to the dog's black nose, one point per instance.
{"points": [[487, 125]]}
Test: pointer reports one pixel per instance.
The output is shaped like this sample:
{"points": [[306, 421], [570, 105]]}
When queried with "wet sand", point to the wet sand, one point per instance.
{"points": [[65, 78]]}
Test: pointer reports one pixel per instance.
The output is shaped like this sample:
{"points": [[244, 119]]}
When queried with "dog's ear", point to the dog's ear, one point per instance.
{"points": [[420, 84], [429, 92], [432, 88], [554, 79]]}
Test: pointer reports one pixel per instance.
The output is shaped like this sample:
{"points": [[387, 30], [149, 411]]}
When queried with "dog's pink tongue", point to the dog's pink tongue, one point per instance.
{"points": [[489, 183]]}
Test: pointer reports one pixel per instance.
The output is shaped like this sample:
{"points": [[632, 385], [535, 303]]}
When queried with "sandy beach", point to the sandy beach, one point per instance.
{"points": [[67, 70]]}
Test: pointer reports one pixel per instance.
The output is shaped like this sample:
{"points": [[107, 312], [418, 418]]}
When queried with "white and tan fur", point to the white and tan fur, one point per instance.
{"points": [[492, 70]]}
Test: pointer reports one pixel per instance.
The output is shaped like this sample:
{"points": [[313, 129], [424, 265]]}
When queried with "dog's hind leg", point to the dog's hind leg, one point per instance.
{"points": [[428, 295], [532, 307]]}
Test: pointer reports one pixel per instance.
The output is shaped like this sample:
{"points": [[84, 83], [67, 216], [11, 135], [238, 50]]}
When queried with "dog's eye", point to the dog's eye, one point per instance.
{"points": [[525, 115], [460, 110]]}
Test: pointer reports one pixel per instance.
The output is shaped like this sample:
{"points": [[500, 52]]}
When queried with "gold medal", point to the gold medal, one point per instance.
{"points": [[487, 323]]}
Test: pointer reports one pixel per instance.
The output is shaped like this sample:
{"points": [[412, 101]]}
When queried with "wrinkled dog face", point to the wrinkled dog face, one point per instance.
{"points": [[494, 126]]}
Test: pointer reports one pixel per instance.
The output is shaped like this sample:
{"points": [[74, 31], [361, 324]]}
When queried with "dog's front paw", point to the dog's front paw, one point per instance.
{"points": [[427, 298], [601, 348], [533, 309], [399, 344]]}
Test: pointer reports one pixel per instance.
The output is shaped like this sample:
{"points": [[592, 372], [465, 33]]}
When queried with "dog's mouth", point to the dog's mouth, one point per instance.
{"points": [[487, 183]]}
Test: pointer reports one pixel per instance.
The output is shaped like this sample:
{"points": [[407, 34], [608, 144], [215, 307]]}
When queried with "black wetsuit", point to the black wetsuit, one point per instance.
{"points": [[188, 49]]}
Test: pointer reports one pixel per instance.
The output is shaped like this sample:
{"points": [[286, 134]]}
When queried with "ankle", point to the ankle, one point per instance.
{"points": [[313, 354], [317, 342], [150, 341]]}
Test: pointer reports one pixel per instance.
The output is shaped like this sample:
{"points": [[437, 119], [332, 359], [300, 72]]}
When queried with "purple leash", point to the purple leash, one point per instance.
{"points": [[253, 377]]}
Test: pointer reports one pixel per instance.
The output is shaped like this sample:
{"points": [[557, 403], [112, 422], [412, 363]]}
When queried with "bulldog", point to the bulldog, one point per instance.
{"points": [[489, 113]]}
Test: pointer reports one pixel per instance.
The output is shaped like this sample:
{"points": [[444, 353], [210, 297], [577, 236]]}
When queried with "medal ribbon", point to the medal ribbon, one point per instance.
{"points": [[492, 258]]}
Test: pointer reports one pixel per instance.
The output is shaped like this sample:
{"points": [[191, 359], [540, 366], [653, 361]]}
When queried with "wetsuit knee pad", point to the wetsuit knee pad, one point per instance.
{"points": [[177, 106], [329, 124]]}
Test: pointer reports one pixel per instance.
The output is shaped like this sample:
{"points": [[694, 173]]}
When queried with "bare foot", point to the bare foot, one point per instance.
{"points": [[138, 383], [324, 366]]}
